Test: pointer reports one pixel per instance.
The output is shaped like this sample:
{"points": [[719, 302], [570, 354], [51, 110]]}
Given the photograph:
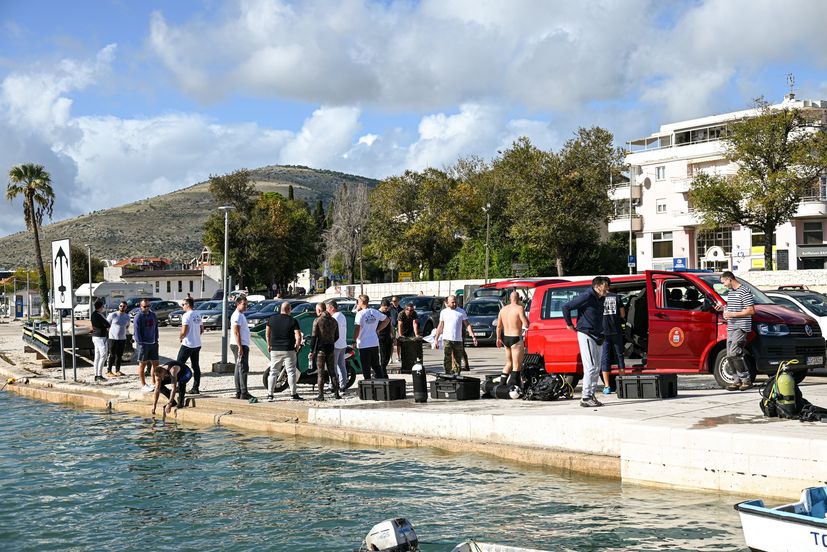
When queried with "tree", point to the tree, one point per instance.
{"points": [[34, 183], [780, 155], [237, 190], [558, 200], [419, 219], [80, 266], [346, 233]]}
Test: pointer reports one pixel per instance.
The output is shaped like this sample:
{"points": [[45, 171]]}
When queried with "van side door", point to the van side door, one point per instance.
{"points": [[547, 333], [682, 326]]}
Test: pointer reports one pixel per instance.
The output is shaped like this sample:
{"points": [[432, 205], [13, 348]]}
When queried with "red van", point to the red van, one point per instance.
{"points": [[673, 327]]}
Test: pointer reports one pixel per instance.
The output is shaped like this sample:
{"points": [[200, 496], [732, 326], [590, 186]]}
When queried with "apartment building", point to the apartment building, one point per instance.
{"points": [[655, 206]]}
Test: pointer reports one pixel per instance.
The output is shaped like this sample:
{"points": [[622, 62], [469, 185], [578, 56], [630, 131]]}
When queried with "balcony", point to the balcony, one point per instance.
{"points": [[688, 217], [812, 207], [682, 184], [623, 224], [622, 192]]}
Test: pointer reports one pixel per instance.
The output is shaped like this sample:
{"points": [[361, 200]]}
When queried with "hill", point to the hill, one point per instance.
{"points": [[168, 225]]}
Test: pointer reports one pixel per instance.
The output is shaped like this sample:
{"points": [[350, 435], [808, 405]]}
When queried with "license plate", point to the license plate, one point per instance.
{"points": [[815, 361]]}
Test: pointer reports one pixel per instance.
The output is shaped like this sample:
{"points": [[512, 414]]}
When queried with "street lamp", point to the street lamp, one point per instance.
{"points": [[223, 366], [487, 210], [89, 258], [358, 232]]}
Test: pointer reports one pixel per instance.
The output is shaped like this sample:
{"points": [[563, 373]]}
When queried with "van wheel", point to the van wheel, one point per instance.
{"points": [[723, 372]]}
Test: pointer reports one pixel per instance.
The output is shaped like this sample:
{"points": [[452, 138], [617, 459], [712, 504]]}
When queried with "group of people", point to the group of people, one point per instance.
{"points": [[109, 339], [600, 317]]}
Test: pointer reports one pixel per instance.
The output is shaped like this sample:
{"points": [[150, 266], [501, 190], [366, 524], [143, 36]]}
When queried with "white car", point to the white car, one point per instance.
{"points": [[810, 303]]}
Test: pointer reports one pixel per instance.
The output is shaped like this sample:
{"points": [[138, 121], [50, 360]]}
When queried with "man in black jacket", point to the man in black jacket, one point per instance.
{"points": [[589, 307]]}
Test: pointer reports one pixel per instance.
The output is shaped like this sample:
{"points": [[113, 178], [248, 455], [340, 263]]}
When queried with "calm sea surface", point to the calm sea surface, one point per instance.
{"points": [[88, 480]]}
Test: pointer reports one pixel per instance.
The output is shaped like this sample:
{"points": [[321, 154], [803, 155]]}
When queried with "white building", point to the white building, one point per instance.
{"points": [[667, 229], [176, 284]]}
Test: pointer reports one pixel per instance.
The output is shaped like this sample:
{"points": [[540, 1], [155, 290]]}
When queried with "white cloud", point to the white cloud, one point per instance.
{"points": [[327, 134]]}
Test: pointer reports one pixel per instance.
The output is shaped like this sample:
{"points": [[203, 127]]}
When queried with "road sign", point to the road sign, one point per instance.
{"points": [[679, 263], [632, 261], [405, 276], [62, 274]]}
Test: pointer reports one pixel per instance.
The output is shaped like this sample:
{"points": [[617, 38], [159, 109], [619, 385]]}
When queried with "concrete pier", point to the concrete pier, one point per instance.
{"points": [[704, 439]]}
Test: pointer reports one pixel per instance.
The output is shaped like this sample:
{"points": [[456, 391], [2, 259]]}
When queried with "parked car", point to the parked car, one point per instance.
{"points": [[672, 326], [162, 310], [270, 309], [134, 302], [175, 316], [210, 313], [258, 305], [482, 315], [303, 308], [810, 303], [427, 308]]}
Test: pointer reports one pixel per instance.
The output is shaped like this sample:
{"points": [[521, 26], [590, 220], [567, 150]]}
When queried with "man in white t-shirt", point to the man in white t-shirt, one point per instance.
{"points": [[452, 323], [190, 337], [366, 323], [340, 345], [241, 348]]}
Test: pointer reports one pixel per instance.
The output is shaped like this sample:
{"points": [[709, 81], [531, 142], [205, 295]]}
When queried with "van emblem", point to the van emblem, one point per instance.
{"points": [[808, 330], [676, 337]]}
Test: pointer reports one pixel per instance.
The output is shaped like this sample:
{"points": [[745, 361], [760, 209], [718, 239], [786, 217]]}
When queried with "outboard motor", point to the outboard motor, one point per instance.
{"points": [[392, 535], [420, 382]]}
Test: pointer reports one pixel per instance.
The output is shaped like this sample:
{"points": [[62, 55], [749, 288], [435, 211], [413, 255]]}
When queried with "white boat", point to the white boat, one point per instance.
{"points": [[795, 527], [474, 546], [398, 535]]}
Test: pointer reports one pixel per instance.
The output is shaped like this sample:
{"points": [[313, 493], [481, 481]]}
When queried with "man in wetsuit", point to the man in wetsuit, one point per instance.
{"points": [[172, 373], [510, 324]]}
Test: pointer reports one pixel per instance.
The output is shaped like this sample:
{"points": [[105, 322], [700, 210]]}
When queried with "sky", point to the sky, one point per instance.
{"points": [[122, 100]]}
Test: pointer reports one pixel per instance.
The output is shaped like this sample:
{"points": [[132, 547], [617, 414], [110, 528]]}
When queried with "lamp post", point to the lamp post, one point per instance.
{"points": [[358, 232], [28, 298], [487, 210], [224, 366], [89, 258]]}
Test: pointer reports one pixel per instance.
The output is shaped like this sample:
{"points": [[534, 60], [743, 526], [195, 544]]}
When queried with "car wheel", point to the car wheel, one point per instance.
{"points": [[725, 374]]}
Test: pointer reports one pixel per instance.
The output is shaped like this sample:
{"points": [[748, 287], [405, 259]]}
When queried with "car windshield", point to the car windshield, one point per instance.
{"points": [[482, 308], [419, 303], [816, 302], [210, 305], [715, 282]]}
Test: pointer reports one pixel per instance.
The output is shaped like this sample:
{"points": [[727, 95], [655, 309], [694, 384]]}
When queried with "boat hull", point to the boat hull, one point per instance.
{"points": [[773, 530]]}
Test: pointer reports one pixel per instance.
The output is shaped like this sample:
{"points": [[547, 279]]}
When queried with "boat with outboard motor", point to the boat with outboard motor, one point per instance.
{"points": [[794, 527], [398, 535]]}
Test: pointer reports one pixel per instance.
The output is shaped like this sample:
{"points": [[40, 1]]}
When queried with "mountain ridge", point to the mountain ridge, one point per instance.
{"points": [[158, 227]]}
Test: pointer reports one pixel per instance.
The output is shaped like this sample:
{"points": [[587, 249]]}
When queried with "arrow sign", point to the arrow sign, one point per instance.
{"points": [[62, 274]]}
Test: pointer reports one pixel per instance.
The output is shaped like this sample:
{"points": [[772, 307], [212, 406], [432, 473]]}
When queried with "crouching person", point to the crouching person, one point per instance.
{"points": [[176, 375]]}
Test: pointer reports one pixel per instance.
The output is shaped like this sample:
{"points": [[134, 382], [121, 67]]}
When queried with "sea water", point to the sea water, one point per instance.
{"points": [[75, 479]]}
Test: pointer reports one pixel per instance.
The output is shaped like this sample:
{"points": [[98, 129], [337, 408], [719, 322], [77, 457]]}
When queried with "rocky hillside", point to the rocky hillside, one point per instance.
{"points": [[155, 226]]}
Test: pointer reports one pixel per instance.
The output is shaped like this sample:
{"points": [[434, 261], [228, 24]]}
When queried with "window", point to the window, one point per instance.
{"points": [[554, 300], [660, 173], [661, 244], [758, 238], [813, 233], [621, 208], [660, 206], [786, 303], [157, 286], [180, 286], [169, 286], [680, 294], [721, 237], [192, 286]]}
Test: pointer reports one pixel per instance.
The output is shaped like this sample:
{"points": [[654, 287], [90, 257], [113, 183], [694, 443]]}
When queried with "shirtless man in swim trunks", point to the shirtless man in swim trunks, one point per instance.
{"points": [[510, 324]]}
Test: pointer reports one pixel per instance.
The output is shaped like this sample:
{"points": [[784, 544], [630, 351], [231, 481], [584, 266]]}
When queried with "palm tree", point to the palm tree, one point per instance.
{"points": [[34, 183]]}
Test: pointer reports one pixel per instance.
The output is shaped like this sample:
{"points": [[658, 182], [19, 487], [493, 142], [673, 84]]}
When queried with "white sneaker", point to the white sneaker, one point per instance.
{"points": [[147, 388]]}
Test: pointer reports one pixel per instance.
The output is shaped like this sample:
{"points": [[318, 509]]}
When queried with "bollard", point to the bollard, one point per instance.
{"points": [[420, 382]]}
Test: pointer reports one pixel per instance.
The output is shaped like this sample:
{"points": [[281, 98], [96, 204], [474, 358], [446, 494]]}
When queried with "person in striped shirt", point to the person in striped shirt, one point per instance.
{"points": [[738, 315]]}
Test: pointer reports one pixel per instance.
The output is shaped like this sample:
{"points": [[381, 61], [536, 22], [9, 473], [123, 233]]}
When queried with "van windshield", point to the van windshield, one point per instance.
{"points": [[714, 281]]}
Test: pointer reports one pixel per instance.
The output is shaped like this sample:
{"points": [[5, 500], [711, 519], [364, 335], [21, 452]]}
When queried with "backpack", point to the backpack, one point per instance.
{"points": [[539, 385]]}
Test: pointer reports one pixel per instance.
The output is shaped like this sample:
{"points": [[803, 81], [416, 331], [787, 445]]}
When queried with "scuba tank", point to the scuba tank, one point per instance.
{"points": [[420, 382], [494, 389], [785, 394]]}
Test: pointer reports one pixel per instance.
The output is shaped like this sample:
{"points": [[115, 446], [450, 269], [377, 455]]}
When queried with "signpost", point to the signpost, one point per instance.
{"points": [[632, 263], [63, 297]]}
